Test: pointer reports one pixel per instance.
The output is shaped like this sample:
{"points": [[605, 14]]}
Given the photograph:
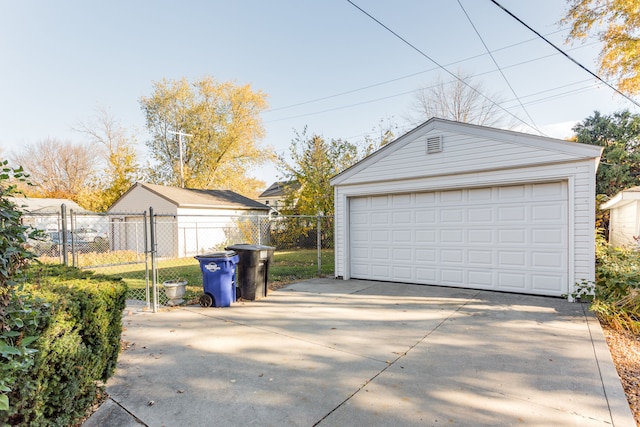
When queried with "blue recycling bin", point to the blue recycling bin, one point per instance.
{"points": [[218, 278]]}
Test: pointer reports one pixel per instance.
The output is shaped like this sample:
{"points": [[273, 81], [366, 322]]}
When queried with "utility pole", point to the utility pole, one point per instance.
{"points": [[180, 135]]}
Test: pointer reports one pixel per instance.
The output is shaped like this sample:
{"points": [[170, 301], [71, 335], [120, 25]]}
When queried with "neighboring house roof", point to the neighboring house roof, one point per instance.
{"points": [[197, 198], [277, 189], [44, 205], [622, 198]]}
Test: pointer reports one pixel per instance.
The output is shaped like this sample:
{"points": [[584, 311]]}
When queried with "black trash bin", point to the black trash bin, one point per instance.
{"points": [[253, 269], [218, 278]]}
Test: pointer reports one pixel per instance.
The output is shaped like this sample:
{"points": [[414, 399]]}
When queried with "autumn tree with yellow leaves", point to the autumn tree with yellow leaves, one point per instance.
{"points": [[221, 127], [615, 23]]}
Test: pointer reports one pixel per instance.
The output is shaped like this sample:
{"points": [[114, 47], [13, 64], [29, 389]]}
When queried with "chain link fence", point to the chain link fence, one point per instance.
{"points": [[147, 249]]}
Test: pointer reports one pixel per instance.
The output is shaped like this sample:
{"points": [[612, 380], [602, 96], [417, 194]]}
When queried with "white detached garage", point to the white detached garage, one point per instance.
{"points": [[469, 206]]}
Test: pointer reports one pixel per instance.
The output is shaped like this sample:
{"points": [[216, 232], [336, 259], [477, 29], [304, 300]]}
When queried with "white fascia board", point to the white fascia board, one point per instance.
{"points": [[622, 198]]}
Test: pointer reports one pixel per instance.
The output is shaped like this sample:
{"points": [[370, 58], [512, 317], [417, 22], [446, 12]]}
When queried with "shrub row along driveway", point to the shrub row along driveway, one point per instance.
{"points": [[332, 353]]}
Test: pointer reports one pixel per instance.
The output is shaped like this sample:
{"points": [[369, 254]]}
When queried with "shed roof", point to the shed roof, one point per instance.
{"points": [[44, 205], [622, 198], [200, 198]]}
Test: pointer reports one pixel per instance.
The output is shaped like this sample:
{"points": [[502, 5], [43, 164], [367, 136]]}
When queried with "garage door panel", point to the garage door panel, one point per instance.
{"points": [[422, 199], [378, 218], [549, 260], [512, 259], [480, 236], [548, 236], [380, 271], [403, 274], [402, 217], [450, 196], [452, 277], [379, 202], [380, 254], [380, 235], [401, 236], [404, 254], [481, 278], [480, 257], [511, 238], [550, 190], [426, 255], [401, 200], [547, 213], [359, 269], [480, 194], [426, 216], [360, 218], [426, 236], [359, 253], [426, 275], [511, 281], [452, 216], [451, 236], [480, 215], [358, 236], [512, 193], [512, 214], [546, 282], [452, 256]]}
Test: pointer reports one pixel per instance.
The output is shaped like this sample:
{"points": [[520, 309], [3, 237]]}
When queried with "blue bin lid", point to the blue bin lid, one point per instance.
{"points": [[216, 255]]}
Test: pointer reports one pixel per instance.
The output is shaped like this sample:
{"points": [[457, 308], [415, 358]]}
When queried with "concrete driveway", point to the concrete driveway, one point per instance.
{"points": [[335, 353]]}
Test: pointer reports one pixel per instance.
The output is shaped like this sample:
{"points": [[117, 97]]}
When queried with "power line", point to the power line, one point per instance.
{"points": [[324, 98], [414, 91], [498, 67], [405, 41], [566, 55]]}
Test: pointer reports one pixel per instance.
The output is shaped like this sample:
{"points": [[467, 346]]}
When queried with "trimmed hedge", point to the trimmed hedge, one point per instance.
{"points": [[79, 329]]}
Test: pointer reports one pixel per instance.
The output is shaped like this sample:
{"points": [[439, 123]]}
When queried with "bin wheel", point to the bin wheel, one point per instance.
{"points": [[206, 300]]}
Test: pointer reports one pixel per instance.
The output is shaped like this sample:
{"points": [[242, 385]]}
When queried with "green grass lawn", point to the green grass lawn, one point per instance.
{"points": [[287, 267]]}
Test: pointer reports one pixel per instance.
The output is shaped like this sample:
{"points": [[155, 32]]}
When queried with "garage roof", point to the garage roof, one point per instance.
{"points": [[524, 150]]}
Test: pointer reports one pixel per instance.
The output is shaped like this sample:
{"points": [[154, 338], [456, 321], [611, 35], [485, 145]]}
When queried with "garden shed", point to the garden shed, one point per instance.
{"points": [[624, 217], [189, 221], [469, 206]]}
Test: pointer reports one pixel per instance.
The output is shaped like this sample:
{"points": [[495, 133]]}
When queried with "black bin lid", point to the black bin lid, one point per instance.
{"points": [[247, 247], [224, 254]]}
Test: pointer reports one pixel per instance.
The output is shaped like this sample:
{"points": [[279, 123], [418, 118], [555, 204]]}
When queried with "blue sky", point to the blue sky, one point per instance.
{"points": [[61, 60]]}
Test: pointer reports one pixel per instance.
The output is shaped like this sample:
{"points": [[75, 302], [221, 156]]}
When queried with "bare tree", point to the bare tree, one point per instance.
{"points": [[460, 99], [119, 167], [57, 168]]}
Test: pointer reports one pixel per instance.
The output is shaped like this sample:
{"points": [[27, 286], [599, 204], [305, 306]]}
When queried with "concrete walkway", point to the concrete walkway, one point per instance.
{"points": [[335, 353]]}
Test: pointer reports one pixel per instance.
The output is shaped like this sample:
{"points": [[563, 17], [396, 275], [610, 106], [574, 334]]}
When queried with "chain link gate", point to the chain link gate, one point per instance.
{"points": [[147, 249]]}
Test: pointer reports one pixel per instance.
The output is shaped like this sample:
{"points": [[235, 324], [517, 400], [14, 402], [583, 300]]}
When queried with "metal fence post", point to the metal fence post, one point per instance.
{"points": [[319, 243], [63, 213], [154, 283], [146, 258], [74, 252]]}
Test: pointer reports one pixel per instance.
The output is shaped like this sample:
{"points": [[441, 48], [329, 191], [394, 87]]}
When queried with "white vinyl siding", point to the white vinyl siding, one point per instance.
{"points": [[624, 224]]}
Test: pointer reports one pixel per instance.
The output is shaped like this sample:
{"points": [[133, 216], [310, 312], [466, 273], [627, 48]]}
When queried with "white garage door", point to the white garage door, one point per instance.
{"points": [[511, 238]]}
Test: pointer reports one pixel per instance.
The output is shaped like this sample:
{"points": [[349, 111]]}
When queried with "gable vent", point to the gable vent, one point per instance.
{"points": [[434, 144]]}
